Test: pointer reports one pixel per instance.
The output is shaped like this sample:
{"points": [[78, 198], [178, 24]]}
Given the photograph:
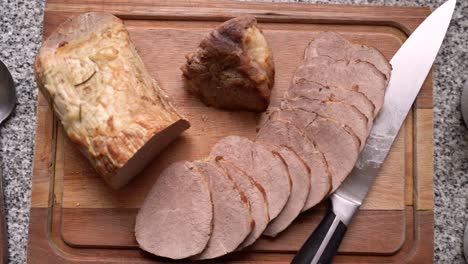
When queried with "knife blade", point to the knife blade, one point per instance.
{"points": [[411, 65]]}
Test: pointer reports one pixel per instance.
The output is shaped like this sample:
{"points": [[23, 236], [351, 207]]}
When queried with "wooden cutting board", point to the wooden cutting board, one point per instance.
{"points": [[75, 217]]}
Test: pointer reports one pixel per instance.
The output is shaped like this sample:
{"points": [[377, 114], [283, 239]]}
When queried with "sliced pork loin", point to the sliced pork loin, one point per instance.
{"points": [[299, 174], [358, 76], [334, 98], [265, 167], [284, 133], [232, 221], [175, 220], [339, 147], [315, 91], [348, 116], [334, 45], [255, 195]]}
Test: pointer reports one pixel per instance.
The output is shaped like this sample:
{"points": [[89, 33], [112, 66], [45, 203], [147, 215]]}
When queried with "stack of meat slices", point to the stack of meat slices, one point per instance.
{"points": [[303, 151]]}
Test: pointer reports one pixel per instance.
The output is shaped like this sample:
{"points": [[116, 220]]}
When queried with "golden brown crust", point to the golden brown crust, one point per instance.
{"points": [[233, 67], [107, 102]]}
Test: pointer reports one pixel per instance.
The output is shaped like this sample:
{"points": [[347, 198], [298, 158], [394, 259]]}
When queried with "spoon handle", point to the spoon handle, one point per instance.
{"points": [[3, 234]]}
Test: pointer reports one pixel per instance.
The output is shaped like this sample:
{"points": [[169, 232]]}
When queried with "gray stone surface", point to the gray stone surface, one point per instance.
{"points": [[20, 30], [450, 136]]}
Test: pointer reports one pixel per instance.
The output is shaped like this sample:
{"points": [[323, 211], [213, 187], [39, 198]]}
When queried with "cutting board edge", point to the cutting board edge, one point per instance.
{"points": [[279, 12], [45, 245], [417, 248]]}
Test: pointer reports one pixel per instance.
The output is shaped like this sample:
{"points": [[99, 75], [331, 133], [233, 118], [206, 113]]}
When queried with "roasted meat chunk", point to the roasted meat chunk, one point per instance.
{"points": [[233, 67]]}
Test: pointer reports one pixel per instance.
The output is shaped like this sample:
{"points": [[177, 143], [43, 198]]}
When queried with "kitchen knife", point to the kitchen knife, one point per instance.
{"points": [[411, 64]]}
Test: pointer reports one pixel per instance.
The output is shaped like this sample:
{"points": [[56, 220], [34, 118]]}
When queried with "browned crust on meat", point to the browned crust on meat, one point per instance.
{"points": [[260, 187], [223, 74], [234, 29], [107, 147], [256, 196], [241, 193]]}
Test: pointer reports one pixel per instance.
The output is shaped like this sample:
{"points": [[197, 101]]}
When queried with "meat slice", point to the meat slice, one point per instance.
{"points": [[300, 179], [255, 195], [233, 67], [232, 221], [265, 167], [283, 133], [357, 76], [176, 216], [339, 147], [347, 116], [316, 91], [334, 45]]}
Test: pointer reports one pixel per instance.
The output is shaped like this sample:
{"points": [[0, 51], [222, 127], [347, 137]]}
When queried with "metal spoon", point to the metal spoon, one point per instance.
{"points": [[464, 103], [7, 104], [464, 109]]}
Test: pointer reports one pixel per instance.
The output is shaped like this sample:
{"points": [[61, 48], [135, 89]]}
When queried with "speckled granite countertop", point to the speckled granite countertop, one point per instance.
{"points": [[20, 34]]}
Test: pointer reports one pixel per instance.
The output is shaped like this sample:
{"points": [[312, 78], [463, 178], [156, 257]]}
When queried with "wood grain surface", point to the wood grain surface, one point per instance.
{"points": [[76, 217]]}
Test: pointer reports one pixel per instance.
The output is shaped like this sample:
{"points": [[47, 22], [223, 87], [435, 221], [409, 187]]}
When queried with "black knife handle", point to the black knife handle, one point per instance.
{"points": [[322, 245]]}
